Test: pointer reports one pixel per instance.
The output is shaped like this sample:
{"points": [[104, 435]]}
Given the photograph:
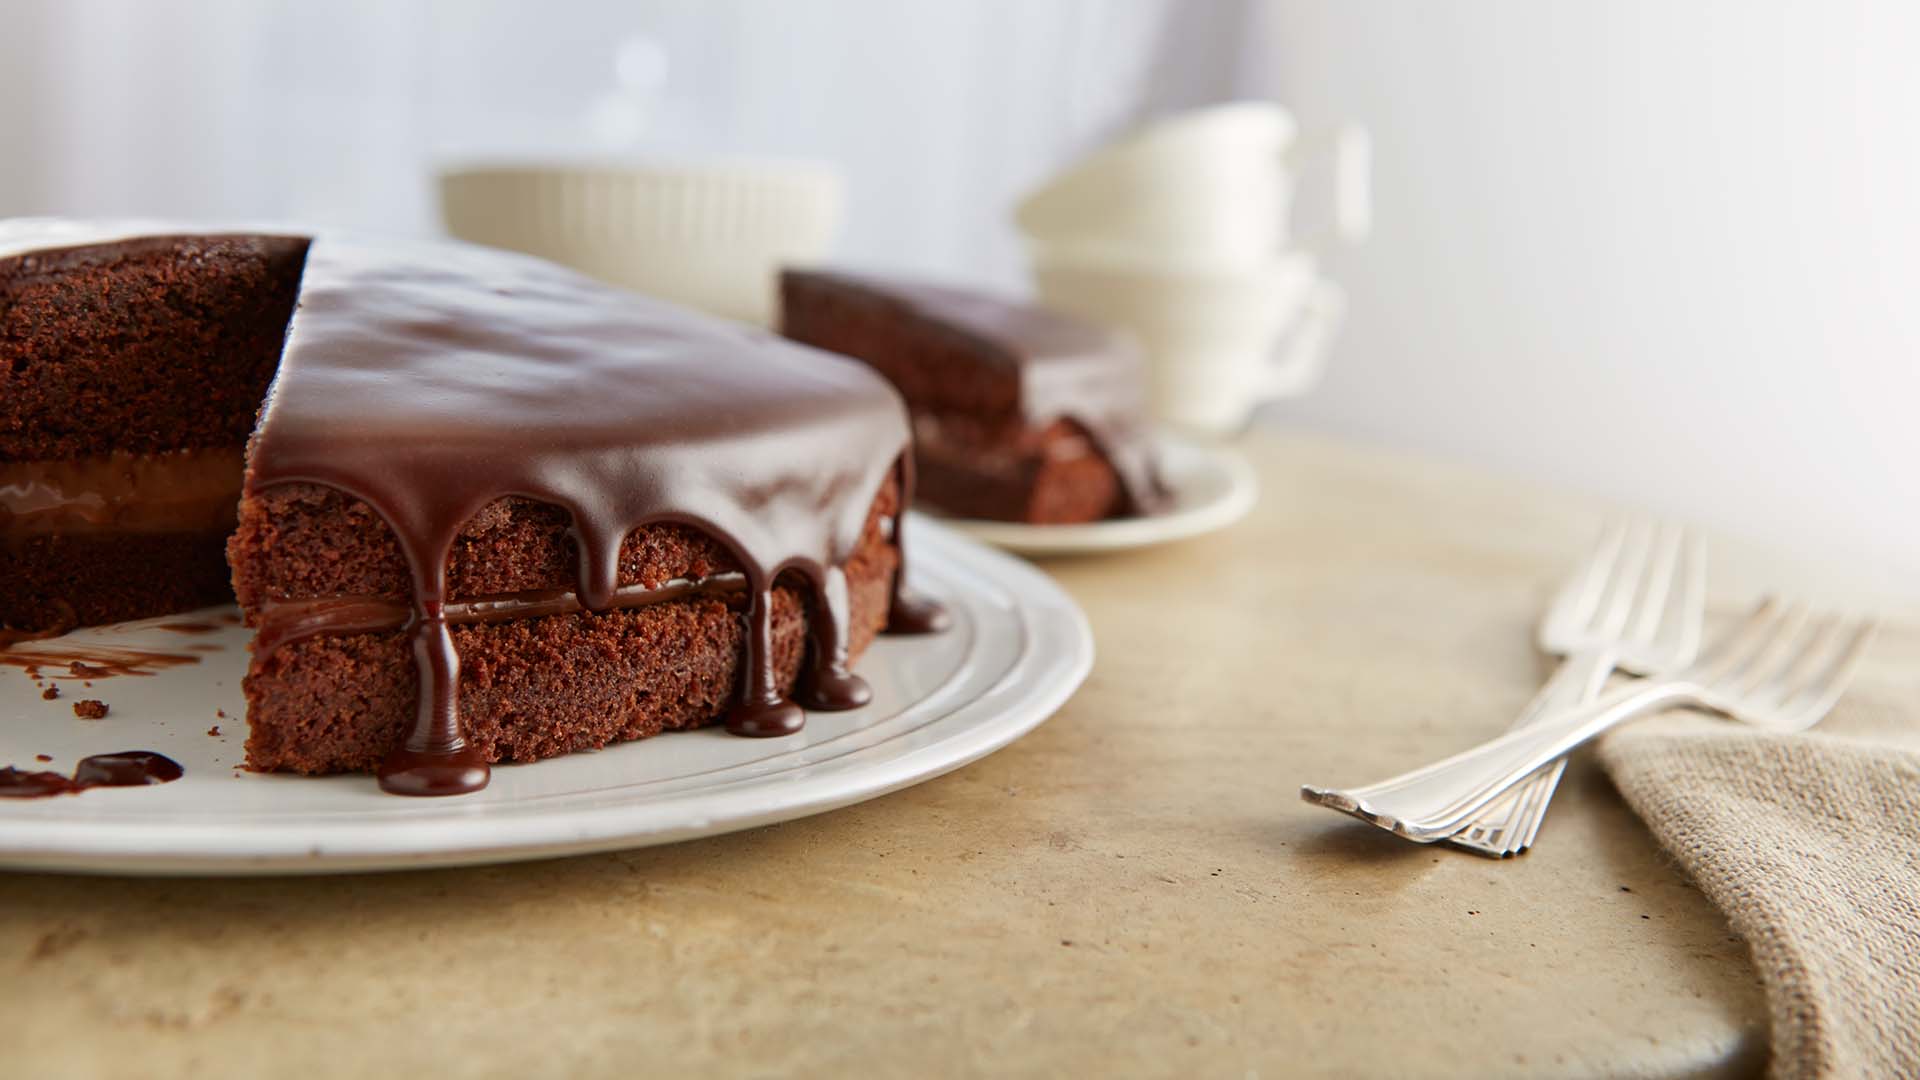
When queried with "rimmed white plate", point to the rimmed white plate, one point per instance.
{"points": [[1212, 487], [1019, 647]]}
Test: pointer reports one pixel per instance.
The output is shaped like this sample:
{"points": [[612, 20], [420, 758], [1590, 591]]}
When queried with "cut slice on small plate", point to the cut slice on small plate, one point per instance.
{"points": [[1211, 487]]}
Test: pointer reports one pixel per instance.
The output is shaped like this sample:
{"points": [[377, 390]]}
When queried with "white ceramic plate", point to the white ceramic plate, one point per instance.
{"points": [[1212, 488], [1018, 649]]}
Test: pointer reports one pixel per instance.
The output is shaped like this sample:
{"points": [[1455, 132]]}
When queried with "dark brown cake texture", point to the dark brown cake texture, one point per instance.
{"points": [[153, 353], [1019, 413], [532, 686], [492, 511]]}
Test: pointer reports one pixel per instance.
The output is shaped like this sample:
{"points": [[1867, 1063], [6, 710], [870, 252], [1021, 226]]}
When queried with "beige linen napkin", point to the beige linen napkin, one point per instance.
{"points": [[1811, 846]]}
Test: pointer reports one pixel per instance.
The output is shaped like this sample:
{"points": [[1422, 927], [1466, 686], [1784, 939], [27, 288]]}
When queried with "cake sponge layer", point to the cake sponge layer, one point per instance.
{"points": [[53, 583], [141, 346], [533, 688], [977, 451], [529, 687], [305, 541]]}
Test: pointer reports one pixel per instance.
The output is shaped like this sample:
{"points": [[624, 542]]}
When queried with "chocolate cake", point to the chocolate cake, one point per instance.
{"points": [[135, 367], [490, 510], [1019, 413]]}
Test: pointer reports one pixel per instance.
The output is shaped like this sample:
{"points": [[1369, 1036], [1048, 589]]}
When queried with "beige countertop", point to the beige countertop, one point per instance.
{"points": [[1135, 887]]}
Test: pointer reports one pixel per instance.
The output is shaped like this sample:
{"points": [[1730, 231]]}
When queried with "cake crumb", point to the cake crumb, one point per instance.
{"points": [[43, 757], [214, 731], [85, 671], [220, 713], [50, 693], [90, 709]]}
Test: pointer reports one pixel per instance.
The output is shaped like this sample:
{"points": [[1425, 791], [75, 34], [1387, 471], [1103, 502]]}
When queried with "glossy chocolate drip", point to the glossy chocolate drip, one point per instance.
{"points": [[429, 386], [1067, 369], [127, 768], [908, 612], [915, 614], [828, 683]]}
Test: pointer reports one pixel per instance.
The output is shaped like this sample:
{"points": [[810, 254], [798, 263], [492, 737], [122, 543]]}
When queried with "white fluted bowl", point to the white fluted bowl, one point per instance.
{"points": [[711, 236]]}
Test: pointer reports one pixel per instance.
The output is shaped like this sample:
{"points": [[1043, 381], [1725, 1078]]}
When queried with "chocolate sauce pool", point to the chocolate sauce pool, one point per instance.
{"points": [[126, 768]]}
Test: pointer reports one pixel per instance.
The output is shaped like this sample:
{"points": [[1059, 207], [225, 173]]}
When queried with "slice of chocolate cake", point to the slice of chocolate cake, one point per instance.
{"points": [[1019, 413], [130, 376], [492, 511]]}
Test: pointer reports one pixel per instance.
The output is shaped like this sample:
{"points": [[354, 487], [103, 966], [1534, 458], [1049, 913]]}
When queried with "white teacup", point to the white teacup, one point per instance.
{"points": [[1219, 343], [711, 236], [1208, 188]]}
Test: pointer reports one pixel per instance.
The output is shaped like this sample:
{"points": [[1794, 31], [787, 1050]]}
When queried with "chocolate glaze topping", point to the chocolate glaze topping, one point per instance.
{"points": [[429, 387], [429, 381], [1068, 369]]}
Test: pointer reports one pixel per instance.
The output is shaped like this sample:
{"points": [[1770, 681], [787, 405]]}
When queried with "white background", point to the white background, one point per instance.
{"points": [[1665, 252]]}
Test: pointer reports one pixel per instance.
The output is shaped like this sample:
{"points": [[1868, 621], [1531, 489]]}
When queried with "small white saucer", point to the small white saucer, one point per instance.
{"points": [[1212, 487]]}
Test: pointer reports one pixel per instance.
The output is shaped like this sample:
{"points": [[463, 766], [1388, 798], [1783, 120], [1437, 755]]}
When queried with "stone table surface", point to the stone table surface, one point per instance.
{"points": [[1133, 888]]}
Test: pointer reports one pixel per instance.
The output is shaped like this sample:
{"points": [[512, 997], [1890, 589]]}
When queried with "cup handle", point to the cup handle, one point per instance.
{"points": [[1349, 149], [1302, 354]]}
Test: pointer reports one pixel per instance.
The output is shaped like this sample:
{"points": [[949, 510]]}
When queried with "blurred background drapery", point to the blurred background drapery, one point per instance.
{"points": [[1668, 253]]}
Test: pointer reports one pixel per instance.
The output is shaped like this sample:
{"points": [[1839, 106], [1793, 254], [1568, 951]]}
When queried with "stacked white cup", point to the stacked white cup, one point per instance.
{"points": [[1180, 235]]}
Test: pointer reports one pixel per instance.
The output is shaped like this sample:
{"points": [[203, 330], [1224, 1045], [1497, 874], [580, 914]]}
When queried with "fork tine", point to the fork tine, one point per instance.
{"points": [[1812, 702], [1693, 602], [1652, 606], [1624, 587], [1814, 654], [1738, 642], [1573, 606], [1776, 654]]}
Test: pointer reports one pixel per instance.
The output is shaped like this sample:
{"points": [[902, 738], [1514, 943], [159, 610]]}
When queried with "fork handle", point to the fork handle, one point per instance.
{"points": [[1433, 802], [1572, 683], [1507, 825]]}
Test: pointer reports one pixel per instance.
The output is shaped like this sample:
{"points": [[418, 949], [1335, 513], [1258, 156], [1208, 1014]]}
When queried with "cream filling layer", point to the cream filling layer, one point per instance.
{"points": [[282, 622], [174, 491]]}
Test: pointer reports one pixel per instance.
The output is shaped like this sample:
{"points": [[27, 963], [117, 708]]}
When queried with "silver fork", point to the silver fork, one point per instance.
{"points": [[1779, 668], [1637, 604]]}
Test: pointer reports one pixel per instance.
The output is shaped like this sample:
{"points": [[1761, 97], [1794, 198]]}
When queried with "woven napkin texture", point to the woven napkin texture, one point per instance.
{"points": [[1810, 844]]}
